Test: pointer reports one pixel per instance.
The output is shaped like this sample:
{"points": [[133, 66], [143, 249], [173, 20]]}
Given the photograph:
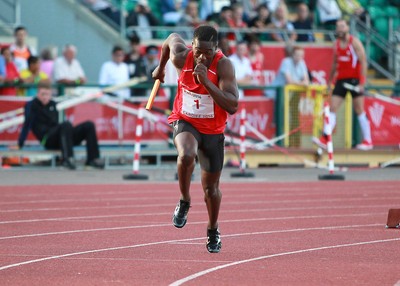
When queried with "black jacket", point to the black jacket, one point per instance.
{"points": [[39, 118]]}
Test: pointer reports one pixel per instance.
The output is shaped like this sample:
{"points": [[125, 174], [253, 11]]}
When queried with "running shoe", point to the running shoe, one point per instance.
{"points": [[180, 214], [321, 141], [365, 145], [214, 243]]}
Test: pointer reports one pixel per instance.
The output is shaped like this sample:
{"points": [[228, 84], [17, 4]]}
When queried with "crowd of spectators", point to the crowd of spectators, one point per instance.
{"points": [[21, 68], [263, 21], [143, 15]]}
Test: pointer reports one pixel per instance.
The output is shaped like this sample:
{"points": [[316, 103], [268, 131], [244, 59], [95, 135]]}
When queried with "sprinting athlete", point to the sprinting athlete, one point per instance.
{"points": [[207, 93]]}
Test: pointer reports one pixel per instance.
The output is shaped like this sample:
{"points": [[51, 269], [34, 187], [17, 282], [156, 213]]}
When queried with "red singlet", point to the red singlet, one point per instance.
{"points": [[193, 102], [348, 64]]}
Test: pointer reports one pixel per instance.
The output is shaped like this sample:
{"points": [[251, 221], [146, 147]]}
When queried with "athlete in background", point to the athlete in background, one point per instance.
{"points": [[207, 93], [349, 66]]}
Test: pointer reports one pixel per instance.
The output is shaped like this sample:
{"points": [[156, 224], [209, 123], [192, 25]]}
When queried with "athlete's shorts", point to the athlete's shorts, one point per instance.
{"points": [[210, 146], [341, 91]]}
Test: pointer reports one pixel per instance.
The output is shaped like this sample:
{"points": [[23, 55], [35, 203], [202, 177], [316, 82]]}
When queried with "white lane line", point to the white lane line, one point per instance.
{"points": [[236, 202], [84, 197], [192, 212], [207, 271], [169, 224], [92, 198], [177, 240]]}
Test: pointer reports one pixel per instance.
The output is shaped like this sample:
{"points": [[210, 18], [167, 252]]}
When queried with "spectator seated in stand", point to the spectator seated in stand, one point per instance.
{"points": [[292, 70], [236, 21], [303, 22], [242, 65], [67, 69], [151, 61], [250, 8], [115, 72], [257, 64], [20, 49], [47, 57], [33, 75], [2, 69], [142, 18], [136, 65], [190, 19], [261, 21], [328, 12], [280, 21], [172, 11], [11, 75], [351, 8]]}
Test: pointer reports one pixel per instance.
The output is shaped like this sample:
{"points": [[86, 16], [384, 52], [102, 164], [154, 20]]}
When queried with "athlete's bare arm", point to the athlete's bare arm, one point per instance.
{"points": [[174, 48], [333, 69], [226, 94], [360, 52]]}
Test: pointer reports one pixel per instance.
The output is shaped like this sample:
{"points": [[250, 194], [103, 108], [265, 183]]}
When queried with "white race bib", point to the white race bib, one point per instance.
{"points": [[197, 105]]}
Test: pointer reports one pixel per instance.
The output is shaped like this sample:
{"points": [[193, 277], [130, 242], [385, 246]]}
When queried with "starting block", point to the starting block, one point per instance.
{"points": [[393, 220]]}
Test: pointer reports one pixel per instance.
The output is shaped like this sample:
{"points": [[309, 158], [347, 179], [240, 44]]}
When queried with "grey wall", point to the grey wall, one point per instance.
{"points": [[60, 22]]}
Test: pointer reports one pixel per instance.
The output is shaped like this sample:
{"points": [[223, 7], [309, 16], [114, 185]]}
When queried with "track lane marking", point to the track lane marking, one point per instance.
{"points": [[192, 223], [192, 212], [213, 269], [177, 240], [240, 202]]}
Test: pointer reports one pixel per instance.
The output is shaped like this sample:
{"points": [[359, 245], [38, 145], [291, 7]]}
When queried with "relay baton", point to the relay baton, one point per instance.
{"points": [[153, 94]]}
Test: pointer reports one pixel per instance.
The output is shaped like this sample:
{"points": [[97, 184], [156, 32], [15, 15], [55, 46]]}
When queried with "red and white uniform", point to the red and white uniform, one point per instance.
{"points": [[193, 102], [348, 64], [257, 64]]}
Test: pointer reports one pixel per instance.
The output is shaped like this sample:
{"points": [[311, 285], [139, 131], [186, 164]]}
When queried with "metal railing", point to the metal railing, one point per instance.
{"points": [[10, 13], [387, 46]]}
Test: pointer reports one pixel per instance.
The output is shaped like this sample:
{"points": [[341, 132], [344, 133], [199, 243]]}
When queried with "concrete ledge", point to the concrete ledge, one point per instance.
{"points": [[296, 157]]}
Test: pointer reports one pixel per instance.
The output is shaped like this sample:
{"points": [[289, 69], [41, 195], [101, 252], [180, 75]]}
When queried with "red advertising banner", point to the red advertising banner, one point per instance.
{"points": [[260, 114], [318, 60], [109, 127], [384, 117]]}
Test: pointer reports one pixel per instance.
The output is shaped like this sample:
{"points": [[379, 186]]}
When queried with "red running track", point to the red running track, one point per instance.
{"points": [[318, 233]]}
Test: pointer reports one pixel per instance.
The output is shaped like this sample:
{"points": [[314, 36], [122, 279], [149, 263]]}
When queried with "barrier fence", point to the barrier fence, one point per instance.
{"points": [[303, 109], [294, 116]]}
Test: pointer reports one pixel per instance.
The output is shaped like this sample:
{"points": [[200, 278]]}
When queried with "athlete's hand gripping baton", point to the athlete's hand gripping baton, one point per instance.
{"points": [[153, 94]]}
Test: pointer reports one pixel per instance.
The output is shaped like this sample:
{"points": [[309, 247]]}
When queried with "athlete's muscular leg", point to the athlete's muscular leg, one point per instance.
{"points": [[358, 103], [212, 196], [336, 102], [186, 146]]}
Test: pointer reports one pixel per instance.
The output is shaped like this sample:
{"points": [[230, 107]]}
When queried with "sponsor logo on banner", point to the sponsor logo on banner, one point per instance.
{"points": [[395, 121], [385, 120], [376, 111]]}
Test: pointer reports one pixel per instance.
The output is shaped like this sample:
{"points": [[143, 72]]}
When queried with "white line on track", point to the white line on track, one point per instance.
{"points": [[236, 202], [213, 269], [78, 196], [169, 224], [192, 212], [180, 240]]}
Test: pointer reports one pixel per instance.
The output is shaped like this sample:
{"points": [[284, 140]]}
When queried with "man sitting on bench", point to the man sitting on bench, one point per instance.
{"points": [[41, 116]]}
